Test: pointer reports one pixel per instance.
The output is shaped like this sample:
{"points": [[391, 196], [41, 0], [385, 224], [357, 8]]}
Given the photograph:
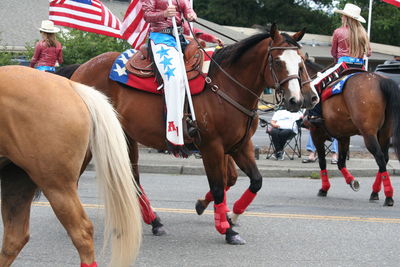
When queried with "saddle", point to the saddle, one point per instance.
{"points": [[141, 65], [343, 75]]}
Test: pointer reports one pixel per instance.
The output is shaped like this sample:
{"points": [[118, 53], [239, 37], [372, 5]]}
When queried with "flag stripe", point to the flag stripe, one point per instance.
{"points": [[134, 29], [90, 16], [393, 2]]}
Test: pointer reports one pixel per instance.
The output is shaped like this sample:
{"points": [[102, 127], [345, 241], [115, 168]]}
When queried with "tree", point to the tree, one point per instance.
{"points": [[292, 15]]}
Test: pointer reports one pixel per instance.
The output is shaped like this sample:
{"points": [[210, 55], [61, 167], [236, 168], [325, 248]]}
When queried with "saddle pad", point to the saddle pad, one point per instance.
{"points": [[336, 88], [119, 74]]}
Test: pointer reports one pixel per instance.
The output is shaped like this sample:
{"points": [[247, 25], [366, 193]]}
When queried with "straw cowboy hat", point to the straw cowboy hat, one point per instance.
{"points": [[351, 11], [48, 26]]}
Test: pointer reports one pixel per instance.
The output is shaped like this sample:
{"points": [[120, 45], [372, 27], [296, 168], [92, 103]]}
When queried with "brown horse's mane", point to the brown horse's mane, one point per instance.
{"points": [[232, 53]]}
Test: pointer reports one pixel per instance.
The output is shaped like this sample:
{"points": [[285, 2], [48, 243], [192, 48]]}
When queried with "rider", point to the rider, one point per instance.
{"points": [[166, 57], [47, 51], [350, 44]]}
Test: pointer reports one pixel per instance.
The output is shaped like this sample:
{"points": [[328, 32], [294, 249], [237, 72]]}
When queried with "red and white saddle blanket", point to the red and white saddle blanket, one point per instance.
{"points": [[119, 74]]}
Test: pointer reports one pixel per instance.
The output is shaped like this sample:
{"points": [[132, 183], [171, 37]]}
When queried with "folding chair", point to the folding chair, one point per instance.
{"points": [[293, 144]]}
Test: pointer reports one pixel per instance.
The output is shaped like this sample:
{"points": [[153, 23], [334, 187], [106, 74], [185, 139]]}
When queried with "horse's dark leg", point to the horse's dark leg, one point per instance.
{"points": [[372, 144], [244, 158], [215, 166], [318, 136], [343, 150], [148, 215], [17, 192], [231, 177]]}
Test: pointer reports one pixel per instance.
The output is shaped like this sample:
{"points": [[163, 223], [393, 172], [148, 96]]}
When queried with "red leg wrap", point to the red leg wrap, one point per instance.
{"points": [[243, 202], [148, 214], [325, 180], [376, 187], [93, 264], [221, 223], [387, 185], [347, 176], [209, 197]]}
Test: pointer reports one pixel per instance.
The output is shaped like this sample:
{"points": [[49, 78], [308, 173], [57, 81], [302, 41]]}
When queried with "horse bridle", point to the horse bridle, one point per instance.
{"points": [[278, 83]]}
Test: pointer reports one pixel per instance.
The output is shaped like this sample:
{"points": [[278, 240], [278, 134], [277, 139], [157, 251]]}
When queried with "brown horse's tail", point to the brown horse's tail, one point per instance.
{"points": [[114, 174], [392, 94]]}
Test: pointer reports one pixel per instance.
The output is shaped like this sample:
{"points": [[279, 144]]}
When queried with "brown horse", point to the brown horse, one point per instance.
{"points": [[49, 126], [369, 106], [225, 126]]}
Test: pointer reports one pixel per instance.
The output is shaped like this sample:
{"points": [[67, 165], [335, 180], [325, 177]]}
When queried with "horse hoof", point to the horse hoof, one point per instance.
{"points": [[322, 193], [159, 231], [158, 227], [355, 185], [374, 196], [199, 207], [388, 202], [234, 240]]}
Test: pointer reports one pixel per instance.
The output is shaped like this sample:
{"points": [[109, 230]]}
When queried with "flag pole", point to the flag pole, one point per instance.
{"points": [[191, 23], [178, 44], [369, 28]]}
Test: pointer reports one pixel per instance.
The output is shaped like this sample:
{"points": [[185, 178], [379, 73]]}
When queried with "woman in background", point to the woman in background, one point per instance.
{"points": [[48, 51]]}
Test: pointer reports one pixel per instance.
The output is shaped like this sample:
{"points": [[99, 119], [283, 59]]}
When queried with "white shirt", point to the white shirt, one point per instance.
{"points": [[286, 119]]}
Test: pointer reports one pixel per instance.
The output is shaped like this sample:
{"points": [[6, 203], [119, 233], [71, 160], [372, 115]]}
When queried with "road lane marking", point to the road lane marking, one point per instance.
{"points": [[260, 214]]}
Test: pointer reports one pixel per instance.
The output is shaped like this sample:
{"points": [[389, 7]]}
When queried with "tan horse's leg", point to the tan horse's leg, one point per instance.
{"points": [[148, 214], [17, 192], [230, 180], [63, 197]]}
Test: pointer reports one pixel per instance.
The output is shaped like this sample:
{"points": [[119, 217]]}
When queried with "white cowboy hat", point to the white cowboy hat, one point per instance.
{"points": [[351, 11], [48, 26]]}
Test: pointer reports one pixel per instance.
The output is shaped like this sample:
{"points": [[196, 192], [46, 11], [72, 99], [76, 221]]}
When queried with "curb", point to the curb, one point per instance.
{"points": [[265, 172]]}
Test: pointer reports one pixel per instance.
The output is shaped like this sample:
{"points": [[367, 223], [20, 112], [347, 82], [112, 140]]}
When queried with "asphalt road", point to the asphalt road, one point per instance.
{"points": [[287, 225]]}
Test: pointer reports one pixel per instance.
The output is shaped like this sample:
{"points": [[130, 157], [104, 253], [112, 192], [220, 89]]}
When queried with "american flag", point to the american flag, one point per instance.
{"points": [[134, 29], [393, 2], [85, 15]]}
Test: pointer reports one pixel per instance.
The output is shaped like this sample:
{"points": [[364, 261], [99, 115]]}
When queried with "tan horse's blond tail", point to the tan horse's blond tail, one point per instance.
{"points": [[113, 170]]}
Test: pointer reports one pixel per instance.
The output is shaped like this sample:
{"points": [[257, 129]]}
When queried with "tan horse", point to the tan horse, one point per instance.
{"points": [[49, 125]]}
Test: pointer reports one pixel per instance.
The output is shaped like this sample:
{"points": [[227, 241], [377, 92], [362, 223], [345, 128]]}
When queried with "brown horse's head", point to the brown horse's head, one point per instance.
{"points": [[286, 67]]}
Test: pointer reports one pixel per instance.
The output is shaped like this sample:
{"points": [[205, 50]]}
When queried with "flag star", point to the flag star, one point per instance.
{"points": [[337, 87], [124, 59], [166, 61], [130, 52], [119, 70], [163, 52], [170, 72]]}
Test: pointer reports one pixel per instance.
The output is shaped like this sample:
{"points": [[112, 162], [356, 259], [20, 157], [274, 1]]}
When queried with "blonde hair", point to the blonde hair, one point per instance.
{"points": [[49, 38], [358, 39]]}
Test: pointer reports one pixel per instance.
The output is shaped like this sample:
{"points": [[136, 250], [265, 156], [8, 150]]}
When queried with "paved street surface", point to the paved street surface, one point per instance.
{"points": [[287, 225]]}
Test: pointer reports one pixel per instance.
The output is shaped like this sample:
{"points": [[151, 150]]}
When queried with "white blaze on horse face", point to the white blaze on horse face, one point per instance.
{"points": [[292, 61]]}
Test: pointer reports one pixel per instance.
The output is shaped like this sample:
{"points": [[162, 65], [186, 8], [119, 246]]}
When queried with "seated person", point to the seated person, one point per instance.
{"points": [[283, 127], [312, 157]]}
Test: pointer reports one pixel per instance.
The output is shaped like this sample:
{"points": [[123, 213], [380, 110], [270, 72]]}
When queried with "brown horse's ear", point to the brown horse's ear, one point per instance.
{"points": [[274, 31], [306, 56], [299, 35]]}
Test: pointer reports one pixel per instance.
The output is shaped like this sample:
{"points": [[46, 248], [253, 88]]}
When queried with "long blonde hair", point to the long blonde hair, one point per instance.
{"points": [[358, 38], [49, 38]]}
